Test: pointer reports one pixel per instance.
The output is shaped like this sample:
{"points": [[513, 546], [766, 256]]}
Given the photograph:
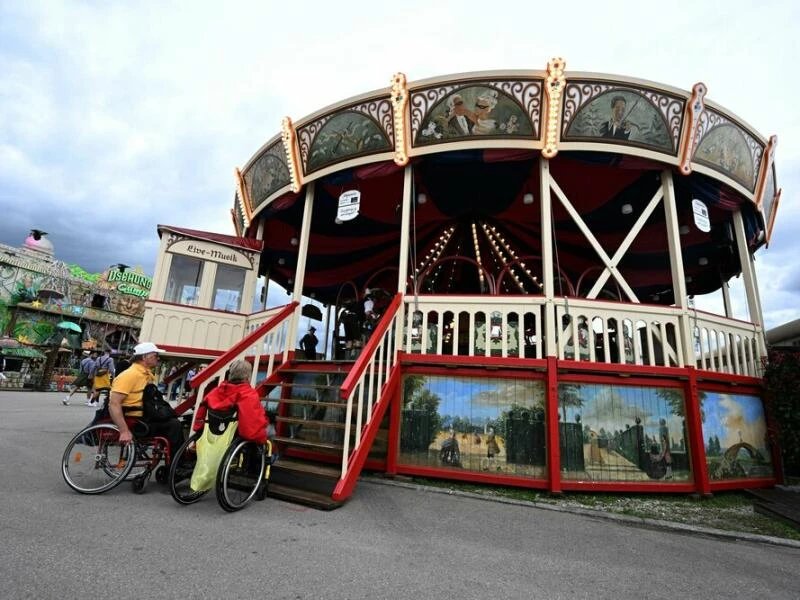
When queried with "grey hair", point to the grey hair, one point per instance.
{"points": [[240, 371]]}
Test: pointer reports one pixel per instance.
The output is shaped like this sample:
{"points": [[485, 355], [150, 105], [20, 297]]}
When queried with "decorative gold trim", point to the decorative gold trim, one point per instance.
{"points": [[691, 118], [244, 201], [554, 87], [399, 104], [289, 138], [774, 212], [766, 165]]}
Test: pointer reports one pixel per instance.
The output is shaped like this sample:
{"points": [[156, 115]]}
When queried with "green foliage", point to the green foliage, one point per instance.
{"points": [[782, 380], [77, 271], [417, 397], [521, 412]]}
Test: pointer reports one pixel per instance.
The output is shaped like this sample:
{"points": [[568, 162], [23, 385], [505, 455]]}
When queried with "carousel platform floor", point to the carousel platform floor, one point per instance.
{"points": [[781, 502]]}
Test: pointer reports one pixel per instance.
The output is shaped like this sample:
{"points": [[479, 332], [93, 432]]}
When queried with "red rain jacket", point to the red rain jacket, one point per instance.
{"points": [[252, 419]]}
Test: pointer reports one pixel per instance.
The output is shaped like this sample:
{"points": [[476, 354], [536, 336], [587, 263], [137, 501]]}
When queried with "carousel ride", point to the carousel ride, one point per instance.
{"points": [[537, 231]]}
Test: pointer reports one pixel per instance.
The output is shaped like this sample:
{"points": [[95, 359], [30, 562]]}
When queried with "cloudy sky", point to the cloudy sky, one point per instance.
{"points": [[118, 116]]}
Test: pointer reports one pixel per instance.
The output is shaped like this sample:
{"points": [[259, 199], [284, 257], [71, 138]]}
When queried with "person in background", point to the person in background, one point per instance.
{"points": [[85, 377], [103, 374], [121, 364], [309, 344], [236, 392]]}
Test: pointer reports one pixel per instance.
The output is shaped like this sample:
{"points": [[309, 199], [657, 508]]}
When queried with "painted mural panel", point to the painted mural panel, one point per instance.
{"points": [[622, 433], [725, 146], [735, 436], [603, 112], [267, 175], [357, 130], [494, 425], [473, 111]]}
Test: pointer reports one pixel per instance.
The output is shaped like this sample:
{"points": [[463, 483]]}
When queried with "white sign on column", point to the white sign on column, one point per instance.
{"points": [[349, 203]]}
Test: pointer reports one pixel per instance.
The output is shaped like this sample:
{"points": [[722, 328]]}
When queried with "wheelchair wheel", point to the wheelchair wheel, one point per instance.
{"points": [[180, 478], [240, 474], [94, 460]]}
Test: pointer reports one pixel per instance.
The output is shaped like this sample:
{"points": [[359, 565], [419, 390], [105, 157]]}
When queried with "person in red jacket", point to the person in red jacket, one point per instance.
{"points": [[237, 392]]}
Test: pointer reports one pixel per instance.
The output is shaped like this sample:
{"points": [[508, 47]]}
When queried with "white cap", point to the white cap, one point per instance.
{"points": [[146, 348]]}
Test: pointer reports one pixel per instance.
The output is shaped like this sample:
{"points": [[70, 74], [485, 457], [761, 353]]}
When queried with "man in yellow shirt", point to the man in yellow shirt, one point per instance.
{"points": [[126, 397]]}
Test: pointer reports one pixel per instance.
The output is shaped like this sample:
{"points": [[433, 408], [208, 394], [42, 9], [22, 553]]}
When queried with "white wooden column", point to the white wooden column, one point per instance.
{"points": [[402, 267], [551, 347], [405, 227], [750, 284], [300, 272], [676, 265]]}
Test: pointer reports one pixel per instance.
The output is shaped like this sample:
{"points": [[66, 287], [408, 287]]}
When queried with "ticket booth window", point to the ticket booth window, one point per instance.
{"points": [[228, 288], [183, 284]]}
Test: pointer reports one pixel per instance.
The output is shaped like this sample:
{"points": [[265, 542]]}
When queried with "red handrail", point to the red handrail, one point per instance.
{"points": [[223, 359], [366, 354]]}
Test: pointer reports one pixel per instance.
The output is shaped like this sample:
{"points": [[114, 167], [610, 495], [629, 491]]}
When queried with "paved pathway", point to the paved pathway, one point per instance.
{"points": [[386, 542]]}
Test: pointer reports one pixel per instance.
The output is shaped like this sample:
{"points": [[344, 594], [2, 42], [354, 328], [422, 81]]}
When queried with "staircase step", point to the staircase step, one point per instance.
{"points": [[310, 468], [309, 386], [308, 443], [304, 422], [305, 475], [300, 401], [298, 496]]}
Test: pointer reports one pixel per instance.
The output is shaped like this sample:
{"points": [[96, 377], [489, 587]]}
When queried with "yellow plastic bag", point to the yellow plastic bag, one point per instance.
{"points": [[210, 449]]}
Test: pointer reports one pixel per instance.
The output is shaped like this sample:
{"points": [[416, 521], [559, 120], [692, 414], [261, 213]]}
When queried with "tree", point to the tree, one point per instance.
{"points": [[674, 398], [569, 397], [782, 380]]}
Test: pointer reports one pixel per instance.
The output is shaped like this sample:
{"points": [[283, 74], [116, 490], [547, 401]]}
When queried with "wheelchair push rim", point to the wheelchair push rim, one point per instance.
{"points": [[94, 461], [240, 474], [180, 479]]}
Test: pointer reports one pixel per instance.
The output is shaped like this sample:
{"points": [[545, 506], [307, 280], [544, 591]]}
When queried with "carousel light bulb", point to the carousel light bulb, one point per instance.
{"points": [[421, 199], [627, 209], [703, 261], [294, 241], [683, 229], [527, 198], [281, 261]]}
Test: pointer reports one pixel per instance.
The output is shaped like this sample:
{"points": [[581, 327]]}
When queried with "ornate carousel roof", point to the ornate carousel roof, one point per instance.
{"points": [[475, 142]]}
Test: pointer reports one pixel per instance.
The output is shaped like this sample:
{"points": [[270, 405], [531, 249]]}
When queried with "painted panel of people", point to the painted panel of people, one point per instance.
{"points": [[471, 111], [622, 116], [478, 424], [623, 433]]}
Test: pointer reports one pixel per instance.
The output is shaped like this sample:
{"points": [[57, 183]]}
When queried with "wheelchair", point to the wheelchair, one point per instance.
{"points": [[242, 475], [94, 461]]}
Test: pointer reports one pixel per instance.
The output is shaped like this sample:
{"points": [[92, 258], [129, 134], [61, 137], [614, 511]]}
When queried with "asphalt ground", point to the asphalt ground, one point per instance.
{"points": [[388, 541]]}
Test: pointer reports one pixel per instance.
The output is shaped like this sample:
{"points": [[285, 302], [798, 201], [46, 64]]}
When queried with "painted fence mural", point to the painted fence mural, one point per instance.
{"points": [[735, 436], [478, 424], [623, 433]]}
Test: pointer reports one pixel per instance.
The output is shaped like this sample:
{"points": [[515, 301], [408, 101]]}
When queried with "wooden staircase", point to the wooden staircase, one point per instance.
{"points": [[308, 415]]}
